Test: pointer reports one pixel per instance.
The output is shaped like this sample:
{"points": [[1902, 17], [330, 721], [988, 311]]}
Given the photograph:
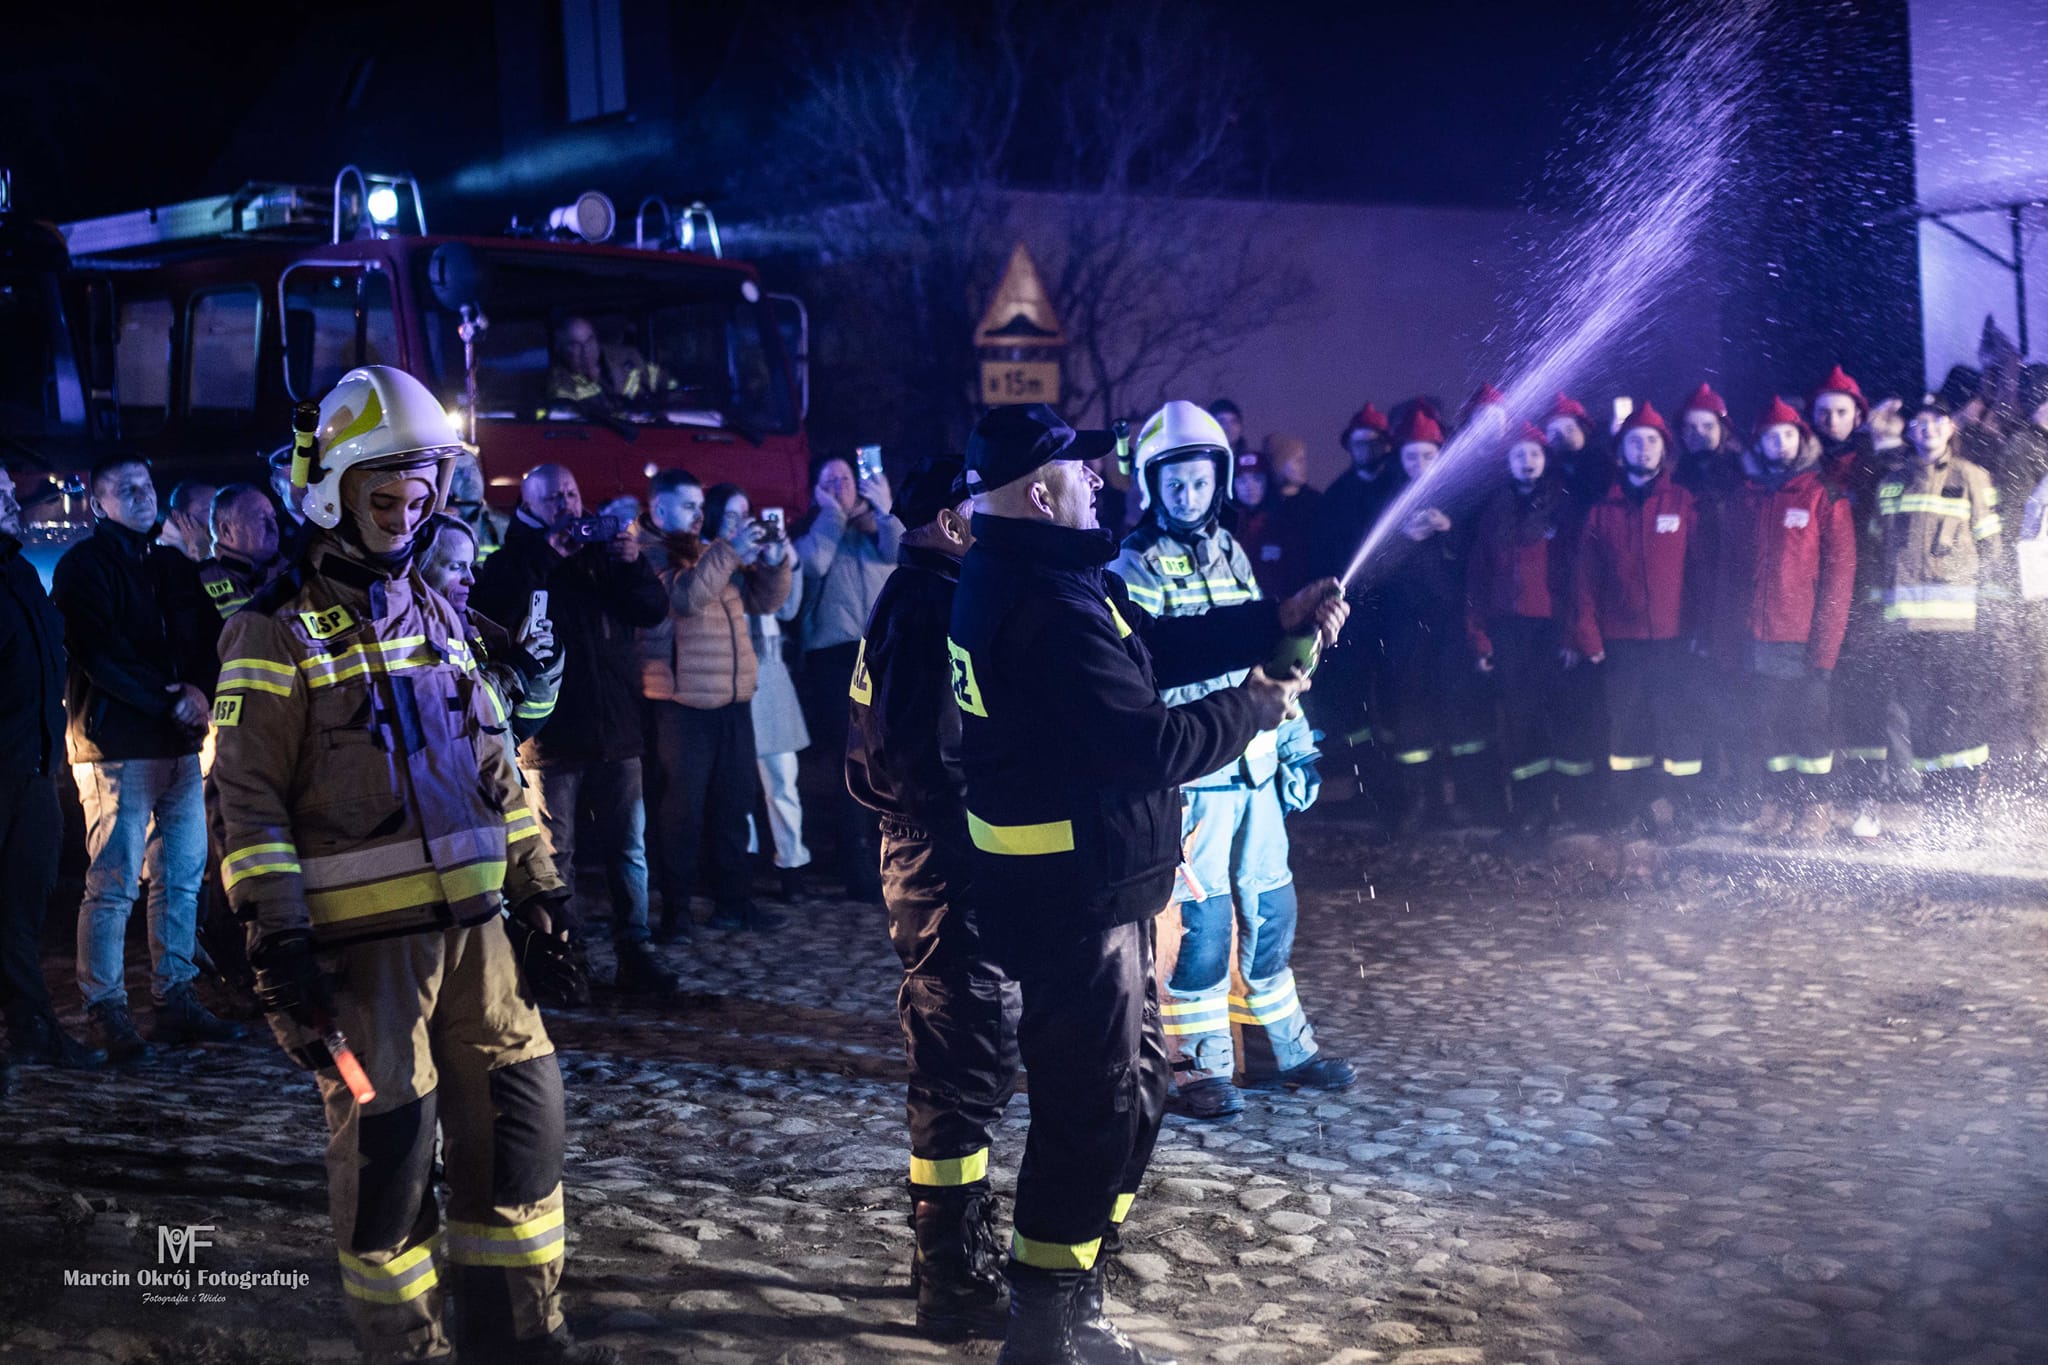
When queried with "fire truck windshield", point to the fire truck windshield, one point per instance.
{"points": [[586, 338], [40, 394]]}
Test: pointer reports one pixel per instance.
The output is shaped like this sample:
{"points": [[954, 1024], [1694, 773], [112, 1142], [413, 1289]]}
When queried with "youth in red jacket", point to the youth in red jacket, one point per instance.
{"points": [[1787, 559], [1635, 566]]}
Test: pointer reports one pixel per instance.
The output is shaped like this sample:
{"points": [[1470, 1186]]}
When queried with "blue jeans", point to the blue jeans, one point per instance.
{"points": [[608, 795], [1234, 883], [142, 816]]}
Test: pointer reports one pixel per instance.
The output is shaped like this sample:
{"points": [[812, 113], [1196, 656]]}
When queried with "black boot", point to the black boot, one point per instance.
{"points": [[39, 1040], [183, 1018], [1096, 1339], [956, 1270], [114, 1031], [1041, 1326], [560, 1348], [675, 924]]}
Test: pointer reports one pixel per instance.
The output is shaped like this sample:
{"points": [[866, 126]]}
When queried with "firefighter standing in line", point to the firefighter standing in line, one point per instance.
{"points": [[375, 831], [1937, 533], [245, 548], [1073, 764], [1180, 562], [957, 1007], [1787, 565], [1638, 568]]}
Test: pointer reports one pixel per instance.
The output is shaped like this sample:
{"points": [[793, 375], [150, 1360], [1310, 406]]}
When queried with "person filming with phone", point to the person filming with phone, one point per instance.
{"points": [[847, 553], [586, 764]]}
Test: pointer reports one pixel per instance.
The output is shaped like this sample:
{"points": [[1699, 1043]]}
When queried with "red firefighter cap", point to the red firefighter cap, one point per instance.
{"points": [[1528, 431], [1647, 416], [1485, 394], [1782, 414], [1367, 418], [1564, 405], [1838, 381], [1418, 426], [1704, 399]]}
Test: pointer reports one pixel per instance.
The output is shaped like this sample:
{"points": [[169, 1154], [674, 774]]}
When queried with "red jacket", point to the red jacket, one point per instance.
{"points": [[1787, 567], [1637, 566], [1520, 563]]}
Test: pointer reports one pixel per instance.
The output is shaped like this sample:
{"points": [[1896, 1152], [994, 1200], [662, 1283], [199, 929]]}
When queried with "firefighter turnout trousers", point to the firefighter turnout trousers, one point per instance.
{"points": [[958, 1009], [447, 1035], [1652, 716], [1234, 873], [1090, 1039]]}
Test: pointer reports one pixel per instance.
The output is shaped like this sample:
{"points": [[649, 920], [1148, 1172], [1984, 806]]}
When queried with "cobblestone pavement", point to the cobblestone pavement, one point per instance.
{"points": [[1611, 1109]]}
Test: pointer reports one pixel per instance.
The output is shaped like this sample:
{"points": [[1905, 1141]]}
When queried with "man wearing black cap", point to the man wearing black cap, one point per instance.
{"points": [[958, 1008], [1072, 763]]}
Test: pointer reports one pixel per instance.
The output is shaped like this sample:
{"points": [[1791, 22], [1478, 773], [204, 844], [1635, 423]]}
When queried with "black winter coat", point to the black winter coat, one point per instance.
{"points": [[135, 622], [597, 603], [1073, 761], [31, 670]]}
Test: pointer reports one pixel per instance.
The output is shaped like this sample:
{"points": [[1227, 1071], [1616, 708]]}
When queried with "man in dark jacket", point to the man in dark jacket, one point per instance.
{"points": [[135, 630], [1071, 759], [586, 763], [957, 1006], [31, 828]]}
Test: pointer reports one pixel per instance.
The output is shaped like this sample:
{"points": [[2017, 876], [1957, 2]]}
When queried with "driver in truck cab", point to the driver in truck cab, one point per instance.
{"points": [[585, 370]]}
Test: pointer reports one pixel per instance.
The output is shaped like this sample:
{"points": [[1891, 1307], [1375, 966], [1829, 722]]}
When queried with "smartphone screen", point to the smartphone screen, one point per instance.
{"points": [[869, 461]]}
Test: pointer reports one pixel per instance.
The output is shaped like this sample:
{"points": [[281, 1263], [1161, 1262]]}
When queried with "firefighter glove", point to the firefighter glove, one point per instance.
{"points": [[550, 960], [289, 979]]}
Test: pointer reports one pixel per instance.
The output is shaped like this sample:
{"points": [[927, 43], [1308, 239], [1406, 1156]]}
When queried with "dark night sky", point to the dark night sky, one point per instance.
{"points": [[1454, 102]]}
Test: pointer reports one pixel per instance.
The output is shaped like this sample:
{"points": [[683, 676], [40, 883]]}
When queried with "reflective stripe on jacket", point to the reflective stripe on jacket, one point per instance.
{"points": [[365, 788], [1937, 530], [1169, 576]]}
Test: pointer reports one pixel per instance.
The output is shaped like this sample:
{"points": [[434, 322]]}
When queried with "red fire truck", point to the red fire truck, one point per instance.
{"points": [[227, 310]]}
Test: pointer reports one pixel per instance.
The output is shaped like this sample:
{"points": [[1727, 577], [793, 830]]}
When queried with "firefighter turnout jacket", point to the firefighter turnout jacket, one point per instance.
{"points": [[229, 582], [903, 742], [1167, 575], [1072, 759], [366, 791], [1936, 534]]}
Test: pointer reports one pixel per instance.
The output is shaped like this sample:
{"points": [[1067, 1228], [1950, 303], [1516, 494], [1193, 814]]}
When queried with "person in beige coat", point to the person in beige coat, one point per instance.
{"points": [[698, 672]]}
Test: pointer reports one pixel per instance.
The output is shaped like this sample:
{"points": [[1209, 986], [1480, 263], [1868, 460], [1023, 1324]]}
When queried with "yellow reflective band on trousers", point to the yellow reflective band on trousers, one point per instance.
{"points": [[1180, 1018], [958, 1170], [255, 861], [401, 1279], [1966, 758], [1571, 768], [1121, 1209], [1414, 756], [1467, 748], [1988, 526], [1683, 767], [1628, 763], [1269, 1008], [1529, 770], [1055, 1255], [1867, 754], [1815, 767], [1054, 836], [535, 1242], [405, 893], [256, 675]]}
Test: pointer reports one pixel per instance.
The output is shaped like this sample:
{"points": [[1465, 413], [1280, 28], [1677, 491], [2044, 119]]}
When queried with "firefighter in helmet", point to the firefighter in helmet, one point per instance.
{"points": [[375, 832], [1180, 562]]}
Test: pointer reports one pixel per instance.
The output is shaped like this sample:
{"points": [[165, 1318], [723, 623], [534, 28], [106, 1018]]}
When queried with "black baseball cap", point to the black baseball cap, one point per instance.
{"points": [[933, 484], [1010, 442]]}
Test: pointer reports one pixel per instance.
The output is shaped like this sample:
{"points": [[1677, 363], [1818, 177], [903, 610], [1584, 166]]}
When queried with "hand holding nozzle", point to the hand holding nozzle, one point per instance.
{"points": [[1319, 606]]}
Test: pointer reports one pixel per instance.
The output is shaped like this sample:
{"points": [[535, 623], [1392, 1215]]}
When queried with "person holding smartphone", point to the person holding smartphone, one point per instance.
{"points": [[848, 552]]}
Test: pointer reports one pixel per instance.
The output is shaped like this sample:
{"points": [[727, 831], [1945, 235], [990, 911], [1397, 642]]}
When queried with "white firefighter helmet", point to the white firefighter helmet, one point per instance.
{"points": [[377, 415], [1175, 432]]}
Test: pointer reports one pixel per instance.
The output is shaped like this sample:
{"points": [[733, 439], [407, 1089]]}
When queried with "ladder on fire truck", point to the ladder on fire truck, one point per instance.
{"points": [[359, 204]]}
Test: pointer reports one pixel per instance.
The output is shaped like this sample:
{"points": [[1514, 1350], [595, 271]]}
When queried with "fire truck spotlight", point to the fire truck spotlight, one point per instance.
{"points": [[591, 217], [383, 205]]}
